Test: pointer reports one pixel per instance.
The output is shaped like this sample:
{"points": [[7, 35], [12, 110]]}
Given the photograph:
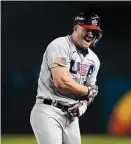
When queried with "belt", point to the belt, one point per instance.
{"points": [[55, 104]]}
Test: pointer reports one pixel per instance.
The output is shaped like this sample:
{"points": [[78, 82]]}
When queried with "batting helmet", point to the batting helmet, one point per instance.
{"points": [[90, 22]]}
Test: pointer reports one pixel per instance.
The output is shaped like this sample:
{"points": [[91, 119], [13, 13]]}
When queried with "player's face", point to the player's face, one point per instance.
{"points": [[85, 37]]}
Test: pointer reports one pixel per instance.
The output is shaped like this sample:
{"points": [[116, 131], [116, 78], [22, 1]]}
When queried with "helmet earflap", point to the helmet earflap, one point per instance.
{"points": [[97, 39]]}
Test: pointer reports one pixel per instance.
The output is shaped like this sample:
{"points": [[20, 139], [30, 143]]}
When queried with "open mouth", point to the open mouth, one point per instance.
{"points": [[88, 39]]}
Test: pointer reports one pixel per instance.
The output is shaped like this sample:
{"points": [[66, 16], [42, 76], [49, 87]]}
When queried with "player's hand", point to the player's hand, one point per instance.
{"points": [[93, 91], [79, 109]]}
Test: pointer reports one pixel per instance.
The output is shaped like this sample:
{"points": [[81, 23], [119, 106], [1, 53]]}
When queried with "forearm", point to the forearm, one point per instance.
{"points": [[69, 85]]}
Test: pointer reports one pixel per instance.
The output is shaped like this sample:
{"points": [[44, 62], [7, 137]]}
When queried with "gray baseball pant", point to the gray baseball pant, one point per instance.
{"points": [[53, 126]]}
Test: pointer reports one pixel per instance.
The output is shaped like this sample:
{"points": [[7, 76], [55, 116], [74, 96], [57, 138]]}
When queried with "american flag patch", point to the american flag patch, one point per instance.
{"points": [[60, 60]]}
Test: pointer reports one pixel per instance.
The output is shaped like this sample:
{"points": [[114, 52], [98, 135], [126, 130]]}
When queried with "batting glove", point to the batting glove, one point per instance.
{"points": [[79, 109], [92, 91]]}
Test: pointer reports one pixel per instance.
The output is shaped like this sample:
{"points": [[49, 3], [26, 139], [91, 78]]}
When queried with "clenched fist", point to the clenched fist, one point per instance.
{"points": [[92, 91], [79, 109]]}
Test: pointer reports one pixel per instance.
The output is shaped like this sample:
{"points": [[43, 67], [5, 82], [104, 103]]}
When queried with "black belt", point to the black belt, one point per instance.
{"points": [[55, 104]]}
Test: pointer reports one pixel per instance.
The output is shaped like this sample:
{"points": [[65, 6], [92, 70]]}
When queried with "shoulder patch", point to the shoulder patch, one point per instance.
{"points": [[60, 60]]}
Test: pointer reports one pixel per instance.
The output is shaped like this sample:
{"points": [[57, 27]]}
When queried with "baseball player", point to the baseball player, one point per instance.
{"points": [[67, 83]]}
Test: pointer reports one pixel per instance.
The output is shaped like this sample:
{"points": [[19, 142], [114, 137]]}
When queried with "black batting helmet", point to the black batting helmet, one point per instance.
{"points": [[90, 22]]}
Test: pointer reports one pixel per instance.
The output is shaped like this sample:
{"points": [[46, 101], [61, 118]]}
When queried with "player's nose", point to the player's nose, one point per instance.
{"points": [[90, 34]]}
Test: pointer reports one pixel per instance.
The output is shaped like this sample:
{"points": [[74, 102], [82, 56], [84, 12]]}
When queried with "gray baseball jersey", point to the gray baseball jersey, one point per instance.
{"points": [[62, 52]]}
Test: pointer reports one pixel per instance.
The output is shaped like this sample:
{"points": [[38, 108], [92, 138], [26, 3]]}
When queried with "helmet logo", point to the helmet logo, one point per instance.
{"points": [[79, 18], [94, 22]]}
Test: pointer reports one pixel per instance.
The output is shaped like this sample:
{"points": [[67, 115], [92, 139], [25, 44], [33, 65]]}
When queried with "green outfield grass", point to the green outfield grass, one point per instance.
{"points": [[86, 139]]}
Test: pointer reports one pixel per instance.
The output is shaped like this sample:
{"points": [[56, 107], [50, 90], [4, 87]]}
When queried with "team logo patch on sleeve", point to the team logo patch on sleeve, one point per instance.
{"points": [[61, 60]]}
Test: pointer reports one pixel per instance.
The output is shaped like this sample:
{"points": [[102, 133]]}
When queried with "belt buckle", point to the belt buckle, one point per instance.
{"points": [[62, 108]]}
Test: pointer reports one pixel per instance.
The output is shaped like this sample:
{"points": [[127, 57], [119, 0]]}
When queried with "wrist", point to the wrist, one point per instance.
{"points": [[82, 97]]}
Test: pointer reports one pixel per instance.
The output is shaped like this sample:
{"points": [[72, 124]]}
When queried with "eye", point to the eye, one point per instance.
{"points": [[94, 33]]}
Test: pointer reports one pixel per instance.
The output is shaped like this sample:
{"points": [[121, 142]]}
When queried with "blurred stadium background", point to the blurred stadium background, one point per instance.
{"points": [[26, 30]]}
